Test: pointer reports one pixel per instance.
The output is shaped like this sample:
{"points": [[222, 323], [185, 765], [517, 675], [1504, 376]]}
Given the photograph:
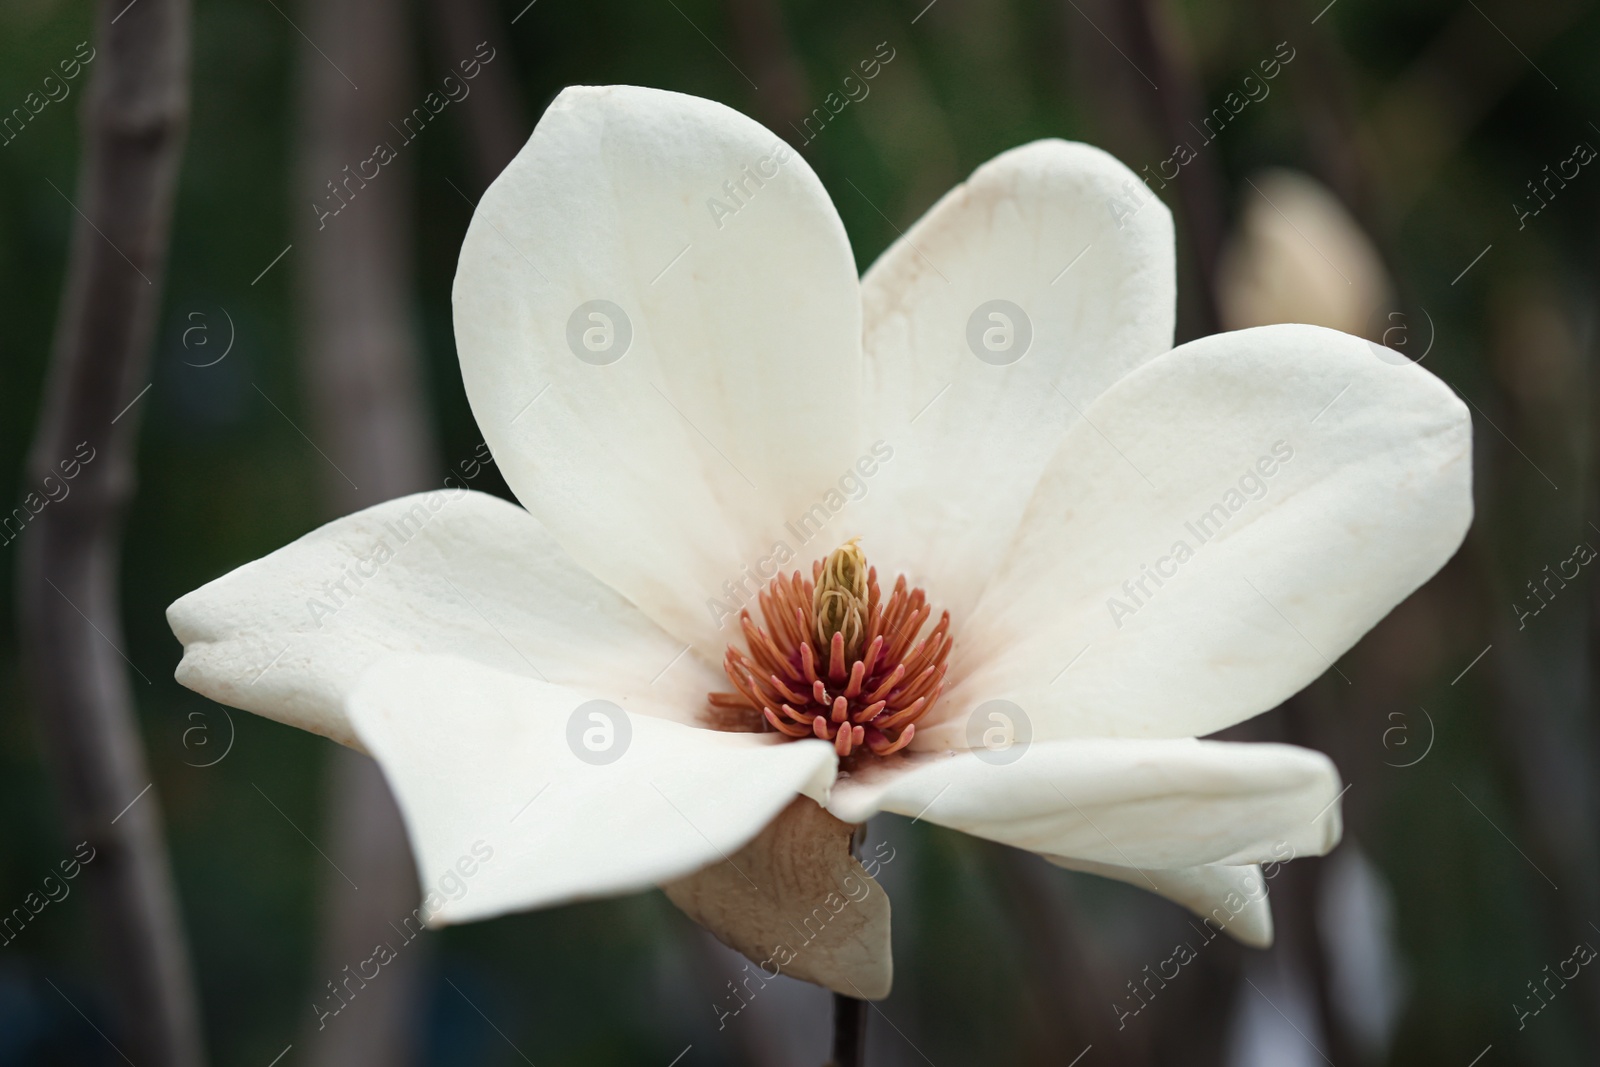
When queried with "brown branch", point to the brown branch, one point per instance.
{"points": [[134, 121], [497, 122], [361, 365], [1177, 104]]}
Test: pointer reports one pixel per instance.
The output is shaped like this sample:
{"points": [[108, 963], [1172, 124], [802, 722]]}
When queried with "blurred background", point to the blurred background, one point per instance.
{"points": [[1416, 172]]}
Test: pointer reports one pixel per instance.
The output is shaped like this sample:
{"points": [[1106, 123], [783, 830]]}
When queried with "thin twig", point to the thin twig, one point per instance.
{"points": [[134, 122]]}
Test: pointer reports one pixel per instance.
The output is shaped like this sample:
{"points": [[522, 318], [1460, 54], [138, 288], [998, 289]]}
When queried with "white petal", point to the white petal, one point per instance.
{"points": [[796, 902], [1290, 560], [475, 754], [735, 405], [1149, 804], [453, 571], [1233, 898], [1058, 230]]}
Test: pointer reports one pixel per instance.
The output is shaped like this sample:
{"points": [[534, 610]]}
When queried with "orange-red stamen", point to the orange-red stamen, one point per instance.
{"points": [[792, 680]]}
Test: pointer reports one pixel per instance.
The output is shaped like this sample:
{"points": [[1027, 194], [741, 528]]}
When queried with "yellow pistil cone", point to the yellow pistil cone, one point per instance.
{"points": [[839, 604]]}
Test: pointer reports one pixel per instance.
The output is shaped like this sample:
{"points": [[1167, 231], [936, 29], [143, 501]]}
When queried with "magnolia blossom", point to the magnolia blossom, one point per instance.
{"points": [[963, 539]]}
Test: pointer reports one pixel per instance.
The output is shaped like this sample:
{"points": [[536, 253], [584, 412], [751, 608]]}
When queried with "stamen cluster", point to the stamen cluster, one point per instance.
{"points": [[836, 661]]}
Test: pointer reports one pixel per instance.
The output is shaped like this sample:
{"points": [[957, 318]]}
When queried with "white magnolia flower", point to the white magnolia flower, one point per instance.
{"points": [[692, 394]]}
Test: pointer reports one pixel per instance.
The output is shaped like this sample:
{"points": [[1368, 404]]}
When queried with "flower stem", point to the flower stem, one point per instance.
{"points": [[849, 1032], [850, 1014]]}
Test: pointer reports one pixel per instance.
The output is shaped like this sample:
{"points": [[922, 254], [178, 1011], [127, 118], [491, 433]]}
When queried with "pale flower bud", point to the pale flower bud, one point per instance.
{"points": [[1297, 255]]}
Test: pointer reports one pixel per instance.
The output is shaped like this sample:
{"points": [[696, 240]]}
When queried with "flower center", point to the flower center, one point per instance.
{"points": [[836, 660]]}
